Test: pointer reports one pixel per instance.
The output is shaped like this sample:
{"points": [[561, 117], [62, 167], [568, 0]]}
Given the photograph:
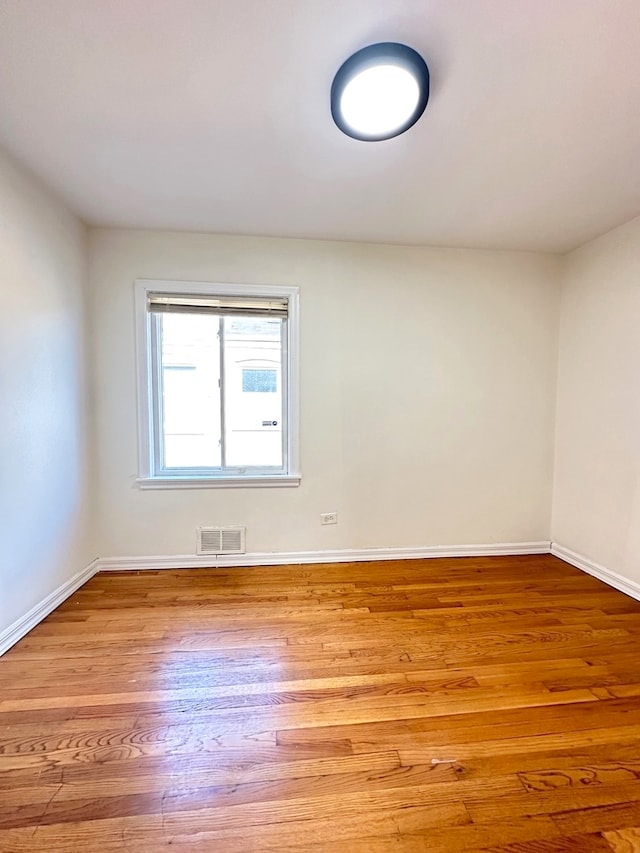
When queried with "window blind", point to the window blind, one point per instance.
{"points": [[255, 306]]}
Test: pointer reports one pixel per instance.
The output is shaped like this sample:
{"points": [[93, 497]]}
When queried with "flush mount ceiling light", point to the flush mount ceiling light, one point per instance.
{"points": [[380, 91]]}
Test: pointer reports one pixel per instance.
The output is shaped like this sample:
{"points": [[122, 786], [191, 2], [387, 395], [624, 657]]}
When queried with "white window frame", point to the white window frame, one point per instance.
{"points": [[149, 477]]}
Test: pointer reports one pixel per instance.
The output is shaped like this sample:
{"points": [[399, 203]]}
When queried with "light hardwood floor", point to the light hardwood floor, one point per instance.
{"points": [[424, 705]]}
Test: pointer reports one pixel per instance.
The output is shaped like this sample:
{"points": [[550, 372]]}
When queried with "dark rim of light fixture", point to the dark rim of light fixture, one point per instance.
{"points": [[369, 57]]}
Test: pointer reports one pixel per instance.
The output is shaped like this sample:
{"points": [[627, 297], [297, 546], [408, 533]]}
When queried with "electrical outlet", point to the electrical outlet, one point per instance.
{"points": [[329, 518]]}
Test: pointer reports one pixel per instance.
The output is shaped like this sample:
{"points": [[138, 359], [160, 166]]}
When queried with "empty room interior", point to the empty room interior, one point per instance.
{"points": [[320, 419]]}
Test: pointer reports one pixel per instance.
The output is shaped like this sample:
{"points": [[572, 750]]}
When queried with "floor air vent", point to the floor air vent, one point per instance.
{"points": [[220, 540]]}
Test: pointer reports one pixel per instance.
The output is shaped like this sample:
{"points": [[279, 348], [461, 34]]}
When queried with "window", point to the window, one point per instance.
{"points": [[263, 380], [217, 375]]}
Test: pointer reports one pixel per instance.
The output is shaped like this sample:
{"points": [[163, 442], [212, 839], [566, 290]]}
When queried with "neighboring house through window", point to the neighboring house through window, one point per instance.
{"points": [[217, 376]]}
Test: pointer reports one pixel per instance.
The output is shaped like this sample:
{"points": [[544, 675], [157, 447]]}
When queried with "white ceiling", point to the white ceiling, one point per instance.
{"points": [[213, 115]]}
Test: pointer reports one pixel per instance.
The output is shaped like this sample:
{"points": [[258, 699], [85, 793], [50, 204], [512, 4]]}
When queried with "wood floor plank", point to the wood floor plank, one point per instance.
{"points": [[530, 835], [421, 705], [624, 840]]}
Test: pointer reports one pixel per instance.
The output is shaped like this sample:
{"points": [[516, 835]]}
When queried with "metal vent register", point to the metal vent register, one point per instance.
{"points": [[220, 540]]}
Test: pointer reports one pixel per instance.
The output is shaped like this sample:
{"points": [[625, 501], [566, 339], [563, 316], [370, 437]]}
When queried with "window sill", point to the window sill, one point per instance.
{"points": [[275, 481]]}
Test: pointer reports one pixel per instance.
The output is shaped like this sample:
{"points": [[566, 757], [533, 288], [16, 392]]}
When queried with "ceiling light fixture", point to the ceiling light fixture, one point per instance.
{"points": [[380, 91]]}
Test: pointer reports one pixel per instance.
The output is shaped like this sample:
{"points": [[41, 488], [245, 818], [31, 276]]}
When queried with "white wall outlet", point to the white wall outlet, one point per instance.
{"points": [[328, 518]]}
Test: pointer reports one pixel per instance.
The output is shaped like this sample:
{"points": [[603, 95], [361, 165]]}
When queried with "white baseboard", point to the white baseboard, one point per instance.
{"points": [[10, 636], [346, 555], [609, 577], [22, 626]]}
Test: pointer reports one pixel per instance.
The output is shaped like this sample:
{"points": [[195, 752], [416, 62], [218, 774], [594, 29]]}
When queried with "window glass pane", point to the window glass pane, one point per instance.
{"points": [[253, 391], [190, 374], [259, 380]]}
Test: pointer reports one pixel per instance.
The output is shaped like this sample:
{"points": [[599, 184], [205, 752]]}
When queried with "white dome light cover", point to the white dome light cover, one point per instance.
{"points": [[380, 91]]}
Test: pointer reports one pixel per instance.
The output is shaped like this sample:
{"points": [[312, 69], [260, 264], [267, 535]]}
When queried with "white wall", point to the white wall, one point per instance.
{"points": [[44, 499], [596, 507], [428, 394]]}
